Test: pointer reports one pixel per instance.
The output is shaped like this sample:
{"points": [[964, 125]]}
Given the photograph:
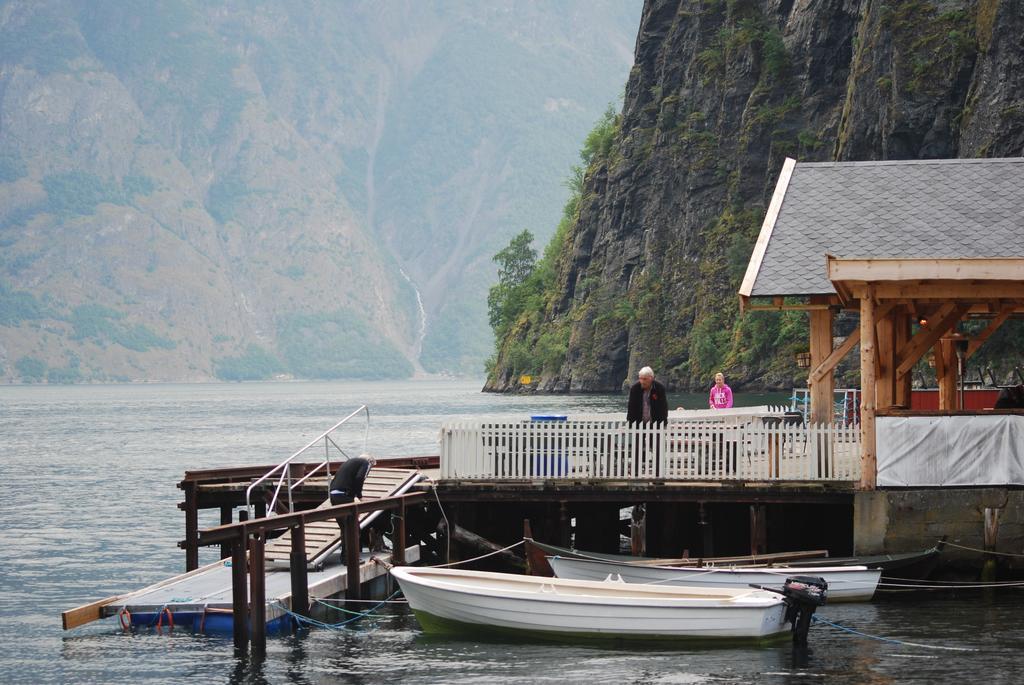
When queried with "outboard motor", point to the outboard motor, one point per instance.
{"points": [[803, 595]]}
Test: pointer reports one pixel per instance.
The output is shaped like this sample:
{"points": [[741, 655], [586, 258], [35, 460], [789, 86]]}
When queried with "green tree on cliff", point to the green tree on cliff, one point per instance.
{"points": [[509, 297]]}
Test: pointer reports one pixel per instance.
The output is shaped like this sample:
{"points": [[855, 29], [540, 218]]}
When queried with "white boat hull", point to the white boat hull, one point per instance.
{"points": [[845, 583], [557, 607]]}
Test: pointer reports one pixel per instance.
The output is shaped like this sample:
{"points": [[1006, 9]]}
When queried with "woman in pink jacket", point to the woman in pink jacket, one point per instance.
{"points": [[721, 394]]}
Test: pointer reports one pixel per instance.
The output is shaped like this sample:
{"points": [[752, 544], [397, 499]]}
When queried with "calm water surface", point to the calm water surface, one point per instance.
{"points": [[89, 509]]}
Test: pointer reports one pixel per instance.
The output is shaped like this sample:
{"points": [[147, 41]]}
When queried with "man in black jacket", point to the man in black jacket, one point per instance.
{"points": [[347, 485], [648, 400]]}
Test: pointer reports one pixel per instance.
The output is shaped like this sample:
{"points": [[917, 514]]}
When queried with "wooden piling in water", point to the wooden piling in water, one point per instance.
{"points": [[351, 547], [299, 575], [257, 594], [226, 512], [398, 541], [239, 594], [190, 505]]}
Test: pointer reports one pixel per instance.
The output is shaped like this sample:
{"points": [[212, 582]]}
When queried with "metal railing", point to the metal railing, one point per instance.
{"points": [[284, 472]]}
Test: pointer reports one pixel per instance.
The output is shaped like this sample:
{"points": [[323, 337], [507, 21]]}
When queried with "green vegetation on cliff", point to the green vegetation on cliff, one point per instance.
{"points": [[666, 217]]}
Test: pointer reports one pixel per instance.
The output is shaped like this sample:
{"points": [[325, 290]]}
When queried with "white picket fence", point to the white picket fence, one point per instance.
{"points": [[747, 448]]}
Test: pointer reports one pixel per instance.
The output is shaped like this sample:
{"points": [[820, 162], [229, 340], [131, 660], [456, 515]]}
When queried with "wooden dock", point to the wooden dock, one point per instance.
{"points": [[208, 598]]}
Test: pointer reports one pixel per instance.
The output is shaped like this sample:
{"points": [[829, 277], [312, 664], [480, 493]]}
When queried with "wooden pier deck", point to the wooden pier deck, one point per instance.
{"points": [[205, 596], [202, 599]]}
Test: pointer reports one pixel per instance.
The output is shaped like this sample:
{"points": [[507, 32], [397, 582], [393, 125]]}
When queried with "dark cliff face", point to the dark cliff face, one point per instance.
{"points": [[720, 94]]}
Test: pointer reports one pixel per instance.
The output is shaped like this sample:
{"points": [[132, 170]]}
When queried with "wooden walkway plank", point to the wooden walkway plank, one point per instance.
{"points": [[323, 537]]}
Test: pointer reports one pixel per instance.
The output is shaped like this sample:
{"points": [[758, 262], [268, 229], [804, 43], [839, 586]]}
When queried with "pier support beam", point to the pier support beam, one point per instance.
{"points": [[398, 541], [257, 594], [191, 526], [299, 576], [351, 546], [226, 512], [239, 595], [758, 529]]}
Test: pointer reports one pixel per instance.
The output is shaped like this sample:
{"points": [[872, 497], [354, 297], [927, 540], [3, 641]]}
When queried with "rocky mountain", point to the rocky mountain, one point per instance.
{"points": [[253, 189], [720, 93]]}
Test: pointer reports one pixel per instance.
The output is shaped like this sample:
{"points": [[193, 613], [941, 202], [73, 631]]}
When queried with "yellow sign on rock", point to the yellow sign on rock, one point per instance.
{"points": [[525, 380]]}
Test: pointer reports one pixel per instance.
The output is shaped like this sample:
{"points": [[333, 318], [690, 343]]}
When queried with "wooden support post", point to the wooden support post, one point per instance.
{"points": [[398, 541], [868, 455], [226, 513], [947, 381], [821, 347], [191, 526], [299, 576], [564, 524], [901, 336], [239, 594], [260, 506], [257, 594], [758, 529], [352, 550], [885, 385], [707, 533]]}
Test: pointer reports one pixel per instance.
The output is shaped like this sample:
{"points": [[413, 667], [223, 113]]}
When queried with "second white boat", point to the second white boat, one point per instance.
{"points": [[845, 583]]}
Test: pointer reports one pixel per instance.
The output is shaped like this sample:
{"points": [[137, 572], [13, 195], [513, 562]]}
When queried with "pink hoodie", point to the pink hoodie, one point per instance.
{"points": [[720, 398]]}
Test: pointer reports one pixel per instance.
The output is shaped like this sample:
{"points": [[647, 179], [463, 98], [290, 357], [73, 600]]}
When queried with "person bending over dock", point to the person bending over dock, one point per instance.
{"points": [[347, 485], [648, 401]]}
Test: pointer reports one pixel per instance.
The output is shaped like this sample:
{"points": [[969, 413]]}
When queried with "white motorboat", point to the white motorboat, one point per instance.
{"points": [[449, 599], [845, 583]]}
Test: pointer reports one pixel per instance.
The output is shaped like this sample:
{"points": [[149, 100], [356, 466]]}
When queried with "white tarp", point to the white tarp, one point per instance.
{"points": [[950, 450]]}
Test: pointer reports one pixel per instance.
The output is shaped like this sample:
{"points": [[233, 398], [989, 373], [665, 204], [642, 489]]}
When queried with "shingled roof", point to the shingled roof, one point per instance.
{"points": [[917, 209]]}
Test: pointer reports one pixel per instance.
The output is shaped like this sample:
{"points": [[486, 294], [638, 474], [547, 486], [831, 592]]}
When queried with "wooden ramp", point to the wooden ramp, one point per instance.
{"points": [[323, 537]]}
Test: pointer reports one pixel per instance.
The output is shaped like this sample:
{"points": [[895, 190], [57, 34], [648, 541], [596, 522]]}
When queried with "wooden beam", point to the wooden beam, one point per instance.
{"points": [[885, 388], [948, 315], [868, 455], [351, 549], [987, 332], [834, 358], [821, 348], [767, 226], [79, 616], [940, 290], [257, 594], [844, 348], [901, 336], [297, 567], [960, 269], [239, 594]]}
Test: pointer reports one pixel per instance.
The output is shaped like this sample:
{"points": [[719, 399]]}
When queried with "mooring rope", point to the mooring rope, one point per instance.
{"points": [[953, 585], [986, 551], [448, 527], [894, 641], [306, 620], [482, 556]]}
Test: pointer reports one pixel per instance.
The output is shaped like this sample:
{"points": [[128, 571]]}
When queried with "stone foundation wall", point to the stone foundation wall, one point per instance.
{"points": [[892, 521]]}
